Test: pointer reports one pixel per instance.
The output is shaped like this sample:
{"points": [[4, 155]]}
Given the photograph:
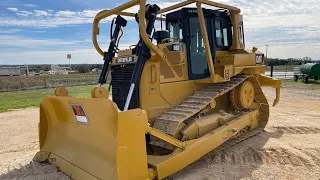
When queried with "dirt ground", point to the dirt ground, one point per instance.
{"points": [[289, 148]]}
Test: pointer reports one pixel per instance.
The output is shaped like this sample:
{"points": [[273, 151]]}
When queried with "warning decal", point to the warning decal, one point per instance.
{"points": [[80, 113]]}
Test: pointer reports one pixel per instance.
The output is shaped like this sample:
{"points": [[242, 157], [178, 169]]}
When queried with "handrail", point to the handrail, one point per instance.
{"points": [[143, 33], [104, 14], [219, 5], [142, 26], [176, 6], [206, 41]]}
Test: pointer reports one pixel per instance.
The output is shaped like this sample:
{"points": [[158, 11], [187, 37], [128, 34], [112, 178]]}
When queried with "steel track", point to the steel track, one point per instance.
{"points": [[169, 121]]}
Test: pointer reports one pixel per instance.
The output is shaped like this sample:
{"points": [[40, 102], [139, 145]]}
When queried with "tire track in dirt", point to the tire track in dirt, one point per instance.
{"points": [[314, 153], [297, 130], [279, 156]]}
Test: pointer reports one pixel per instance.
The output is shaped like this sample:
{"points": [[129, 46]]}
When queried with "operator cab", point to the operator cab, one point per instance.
{"points": [[184, 25]]}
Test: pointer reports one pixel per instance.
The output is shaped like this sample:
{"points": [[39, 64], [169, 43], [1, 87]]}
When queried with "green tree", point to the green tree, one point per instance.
{"points": [[84, 68]]}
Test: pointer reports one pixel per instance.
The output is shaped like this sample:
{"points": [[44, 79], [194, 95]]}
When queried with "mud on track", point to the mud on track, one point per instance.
{"points": [[289, 148]]}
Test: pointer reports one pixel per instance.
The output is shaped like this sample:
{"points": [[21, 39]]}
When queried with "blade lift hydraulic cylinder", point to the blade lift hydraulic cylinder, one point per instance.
{"points": [[108, 56], [143, 52]]}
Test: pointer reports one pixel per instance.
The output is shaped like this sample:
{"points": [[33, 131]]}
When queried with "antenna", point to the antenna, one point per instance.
{"points": [[161, 22]]}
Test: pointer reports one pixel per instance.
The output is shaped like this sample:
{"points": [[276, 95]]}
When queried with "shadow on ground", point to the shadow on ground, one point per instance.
{"points": [[236, 162], [34, 171]]}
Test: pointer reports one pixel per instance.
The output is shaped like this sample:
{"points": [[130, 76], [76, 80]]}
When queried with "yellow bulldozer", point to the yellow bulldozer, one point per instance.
{"points": [[182, 91]]}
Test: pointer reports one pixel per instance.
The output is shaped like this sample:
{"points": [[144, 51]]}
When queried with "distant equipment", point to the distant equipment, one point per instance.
{"points": [[307, 71], [57, 70]]}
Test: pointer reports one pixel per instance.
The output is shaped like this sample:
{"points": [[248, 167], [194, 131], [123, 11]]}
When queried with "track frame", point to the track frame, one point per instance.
{"points": [[195, 149], [217, 140]]}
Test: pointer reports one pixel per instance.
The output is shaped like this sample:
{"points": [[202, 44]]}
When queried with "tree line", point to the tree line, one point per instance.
{"points": [[289, 61], [82, 68], [85, 68]]}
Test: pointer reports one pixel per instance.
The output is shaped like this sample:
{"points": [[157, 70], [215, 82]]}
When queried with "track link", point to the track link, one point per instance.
{"points": [[170, 121]]}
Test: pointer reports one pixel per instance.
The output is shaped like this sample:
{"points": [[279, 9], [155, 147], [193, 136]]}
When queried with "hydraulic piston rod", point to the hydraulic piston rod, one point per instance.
{"points": [[143, 53]]}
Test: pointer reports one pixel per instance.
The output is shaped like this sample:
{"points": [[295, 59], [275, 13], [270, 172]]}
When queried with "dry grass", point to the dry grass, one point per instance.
{"points": [[29, 98], [17, 83]]}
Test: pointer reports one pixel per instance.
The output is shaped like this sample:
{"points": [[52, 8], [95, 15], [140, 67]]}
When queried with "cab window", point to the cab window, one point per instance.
{"points": [[198, 60], [219, 38], [222, 33]]}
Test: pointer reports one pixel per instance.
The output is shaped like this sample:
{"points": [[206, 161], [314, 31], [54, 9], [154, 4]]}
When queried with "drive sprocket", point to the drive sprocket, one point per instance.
{"points": [[243, 96]]}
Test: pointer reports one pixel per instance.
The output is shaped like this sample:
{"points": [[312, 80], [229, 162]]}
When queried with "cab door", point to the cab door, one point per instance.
{"points": [[196, 52]]}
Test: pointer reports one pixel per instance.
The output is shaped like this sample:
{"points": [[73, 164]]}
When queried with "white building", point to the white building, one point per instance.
{"points": [[14, 71]]}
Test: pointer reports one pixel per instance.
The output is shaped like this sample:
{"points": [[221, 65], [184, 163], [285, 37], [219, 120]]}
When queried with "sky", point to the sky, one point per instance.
{"points": [[45, 31]]}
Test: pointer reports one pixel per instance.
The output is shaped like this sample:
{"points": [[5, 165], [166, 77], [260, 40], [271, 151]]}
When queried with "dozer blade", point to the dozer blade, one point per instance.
{"points": [[90, 139]]}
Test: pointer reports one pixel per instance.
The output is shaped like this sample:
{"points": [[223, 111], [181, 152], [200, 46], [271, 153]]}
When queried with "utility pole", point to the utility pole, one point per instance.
{"points": [[267, 51], [271, 70], [69, 57]]}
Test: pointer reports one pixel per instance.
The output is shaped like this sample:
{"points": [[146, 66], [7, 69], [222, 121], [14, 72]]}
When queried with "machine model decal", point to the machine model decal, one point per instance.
{"points": [[80, 114], [128, 59]]}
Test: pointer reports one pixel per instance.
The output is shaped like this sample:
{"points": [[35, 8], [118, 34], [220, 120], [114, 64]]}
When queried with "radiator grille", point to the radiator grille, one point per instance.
{"points": [[121, 76]]}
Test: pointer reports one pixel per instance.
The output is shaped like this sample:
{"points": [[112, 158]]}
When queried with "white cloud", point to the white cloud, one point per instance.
{"points": [[49, 18], [50, 10], [66, 13], [14, 31], [42, 13], [13, 9], [39, 31], [22, 13], [79, 55], [274, 13], [29, 5], [25, 42], [293, 50], [10, 31], [85, 13]]}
